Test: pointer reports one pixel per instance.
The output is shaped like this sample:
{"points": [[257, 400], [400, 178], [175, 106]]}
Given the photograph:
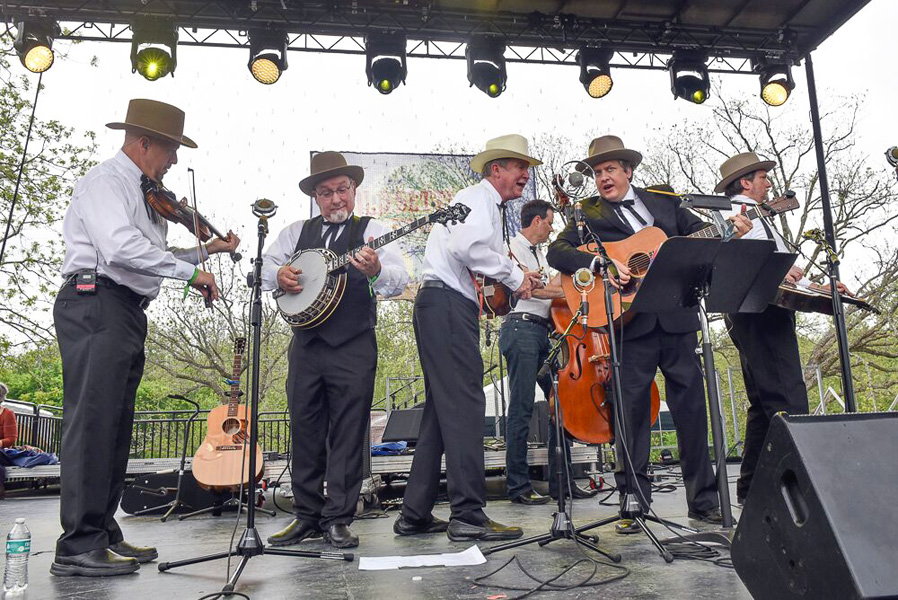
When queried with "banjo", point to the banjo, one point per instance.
{"points": [[324, 278]]}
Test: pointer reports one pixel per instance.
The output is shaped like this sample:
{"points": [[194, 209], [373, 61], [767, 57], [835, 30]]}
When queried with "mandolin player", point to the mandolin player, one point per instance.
{"points": [[767, 344], [115, 260], [330, 381]]}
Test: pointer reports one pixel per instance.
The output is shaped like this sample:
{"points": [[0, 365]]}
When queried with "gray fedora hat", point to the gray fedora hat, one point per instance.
{"points": [[739, 165]]}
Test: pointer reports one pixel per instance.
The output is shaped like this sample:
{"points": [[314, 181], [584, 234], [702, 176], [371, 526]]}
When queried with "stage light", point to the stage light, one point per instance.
{"points": [[148, 55], [689, 76], [776, 80], [595, 70], [486, 65], [385, 61], [267, 54], [34, 44]]}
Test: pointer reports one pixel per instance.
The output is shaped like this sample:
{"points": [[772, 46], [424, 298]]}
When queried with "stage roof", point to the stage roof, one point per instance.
{"points": [[541, 31]]}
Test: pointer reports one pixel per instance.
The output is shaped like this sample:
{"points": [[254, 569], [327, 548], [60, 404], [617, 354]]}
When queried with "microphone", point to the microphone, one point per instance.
{"points": [[578, 218], [813, 234], [584, 281], [575, 179], [892, 156], [263, 207]]}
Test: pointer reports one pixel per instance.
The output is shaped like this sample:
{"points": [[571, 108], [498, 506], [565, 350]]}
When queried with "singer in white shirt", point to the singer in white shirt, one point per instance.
{"points": [[447, 334]]}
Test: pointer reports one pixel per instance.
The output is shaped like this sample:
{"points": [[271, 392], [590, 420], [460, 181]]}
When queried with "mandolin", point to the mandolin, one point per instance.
{"points": [[223, 455], [814, 298]]}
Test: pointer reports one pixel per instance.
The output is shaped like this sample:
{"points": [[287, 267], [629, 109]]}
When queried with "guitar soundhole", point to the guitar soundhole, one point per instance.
{"points": [[231, 426], [639, 264]]}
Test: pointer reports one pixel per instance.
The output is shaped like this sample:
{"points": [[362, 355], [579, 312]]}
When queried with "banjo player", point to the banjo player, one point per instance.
{"points": [[330, 381]]}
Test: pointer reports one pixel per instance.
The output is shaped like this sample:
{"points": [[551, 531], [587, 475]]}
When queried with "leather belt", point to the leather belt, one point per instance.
{"points": [[531, 318], [142, 301], [434, 283]]}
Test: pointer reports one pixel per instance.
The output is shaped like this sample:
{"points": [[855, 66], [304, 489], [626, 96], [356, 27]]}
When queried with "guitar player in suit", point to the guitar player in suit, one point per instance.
{"points": [[330, 381], [768, 347], [649, 341]]}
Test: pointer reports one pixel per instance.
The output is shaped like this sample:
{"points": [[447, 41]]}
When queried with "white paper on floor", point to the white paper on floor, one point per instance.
{"points": [[471, 556]]}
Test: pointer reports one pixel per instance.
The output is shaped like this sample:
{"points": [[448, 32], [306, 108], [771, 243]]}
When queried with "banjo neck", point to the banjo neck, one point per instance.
{"points": [[343, 260]]}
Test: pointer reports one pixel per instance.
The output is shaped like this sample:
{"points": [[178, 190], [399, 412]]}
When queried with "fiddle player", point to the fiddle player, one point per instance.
{"points": [[115, 261], [524, 342], [447, 334], [767, 344], [649, 341], [330, 382]]}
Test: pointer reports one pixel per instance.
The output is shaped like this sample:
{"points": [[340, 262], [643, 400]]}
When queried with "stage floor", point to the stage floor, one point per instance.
{"points": [[277, 577]]}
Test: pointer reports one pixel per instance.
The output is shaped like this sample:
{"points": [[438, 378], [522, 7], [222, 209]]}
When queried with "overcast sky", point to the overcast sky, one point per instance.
{"points": [[254, 140]]}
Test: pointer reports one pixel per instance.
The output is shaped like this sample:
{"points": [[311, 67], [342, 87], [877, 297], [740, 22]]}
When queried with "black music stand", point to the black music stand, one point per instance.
{"points": [[250, 543], [731, 277]]}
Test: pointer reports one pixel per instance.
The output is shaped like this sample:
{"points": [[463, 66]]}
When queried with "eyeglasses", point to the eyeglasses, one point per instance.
{"points": [[327, 194]]}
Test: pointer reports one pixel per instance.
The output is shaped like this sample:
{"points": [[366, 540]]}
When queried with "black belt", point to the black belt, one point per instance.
{"points": [[142, 301], [517, 316], [434, 283]]}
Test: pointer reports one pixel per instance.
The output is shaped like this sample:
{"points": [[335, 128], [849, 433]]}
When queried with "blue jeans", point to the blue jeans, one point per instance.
{"points": [[525, 346]]}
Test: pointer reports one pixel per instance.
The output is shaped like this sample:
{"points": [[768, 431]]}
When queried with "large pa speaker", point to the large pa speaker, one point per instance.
{"points": [[403, 425], [820, 520]]}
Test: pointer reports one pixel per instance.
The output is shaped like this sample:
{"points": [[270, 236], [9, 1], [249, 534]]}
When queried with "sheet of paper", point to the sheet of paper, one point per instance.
{"points": [[469, 557]]}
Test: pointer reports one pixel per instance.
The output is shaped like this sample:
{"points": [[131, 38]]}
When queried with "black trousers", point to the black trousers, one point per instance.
{"points": [[447, 334], [101, 339], [674, 354], [329, 393], [771, 369]]}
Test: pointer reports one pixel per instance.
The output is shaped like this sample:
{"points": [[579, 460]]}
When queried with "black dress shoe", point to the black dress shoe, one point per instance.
{"points": [[341, 536], [405, 526], [627, 527], [530, 498], [295, 532], [459, 531], [579, 493], [102, 562], [713, 516], [143, 554]]}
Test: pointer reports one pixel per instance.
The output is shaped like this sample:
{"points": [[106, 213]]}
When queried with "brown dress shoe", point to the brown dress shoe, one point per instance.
{"points": [[459, 531]]}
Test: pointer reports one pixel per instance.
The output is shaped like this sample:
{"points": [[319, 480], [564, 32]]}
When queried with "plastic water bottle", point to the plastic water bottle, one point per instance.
{"points": [[18, 548]]}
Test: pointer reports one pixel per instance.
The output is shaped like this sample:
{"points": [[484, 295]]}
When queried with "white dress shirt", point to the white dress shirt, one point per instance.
{"points": [[393, 274], [454, 251], [107, 227], [533, 260]]}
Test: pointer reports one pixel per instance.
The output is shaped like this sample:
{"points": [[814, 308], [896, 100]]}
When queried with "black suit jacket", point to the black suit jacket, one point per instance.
{"points": [[604, 222]]}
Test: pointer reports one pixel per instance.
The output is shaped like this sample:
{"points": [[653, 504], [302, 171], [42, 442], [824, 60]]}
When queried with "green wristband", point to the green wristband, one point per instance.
{"points": [[196, 272]]}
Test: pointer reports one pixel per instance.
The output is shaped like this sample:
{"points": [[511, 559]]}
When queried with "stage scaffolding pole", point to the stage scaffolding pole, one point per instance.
{"points": [[838, 312]]}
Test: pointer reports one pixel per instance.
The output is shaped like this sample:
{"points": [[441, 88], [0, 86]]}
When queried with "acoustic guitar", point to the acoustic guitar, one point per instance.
{"points": [[637, 252], [224, 455]]}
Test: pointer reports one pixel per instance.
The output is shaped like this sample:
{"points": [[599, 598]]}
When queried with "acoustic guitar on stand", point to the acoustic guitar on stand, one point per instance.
{"points": [[224, 454]]}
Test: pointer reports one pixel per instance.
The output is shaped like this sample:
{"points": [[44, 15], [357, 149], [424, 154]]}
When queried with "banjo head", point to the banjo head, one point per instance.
{"points": [[313, 279]]}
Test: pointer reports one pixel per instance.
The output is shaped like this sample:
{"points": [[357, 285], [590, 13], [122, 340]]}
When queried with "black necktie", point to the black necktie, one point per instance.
{"points": [[628, 204], [329, 234], [535, 255]]}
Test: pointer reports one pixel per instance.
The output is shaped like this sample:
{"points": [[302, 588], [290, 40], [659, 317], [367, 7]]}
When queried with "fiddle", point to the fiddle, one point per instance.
{"points": [[164, 202]]}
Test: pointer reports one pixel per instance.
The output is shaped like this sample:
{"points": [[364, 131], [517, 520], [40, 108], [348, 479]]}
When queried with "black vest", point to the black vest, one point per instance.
{"points": [[357, 311]]}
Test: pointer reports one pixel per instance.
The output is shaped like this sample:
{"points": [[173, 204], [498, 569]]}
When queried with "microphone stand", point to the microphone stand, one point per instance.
{"points": [[250, 543]]}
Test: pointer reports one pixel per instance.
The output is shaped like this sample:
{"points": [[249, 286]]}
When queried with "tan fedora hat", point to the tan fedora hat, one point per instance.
{"points": [[739, 165], [505, 146], [610, 147], [330, 164], [157, 119]]}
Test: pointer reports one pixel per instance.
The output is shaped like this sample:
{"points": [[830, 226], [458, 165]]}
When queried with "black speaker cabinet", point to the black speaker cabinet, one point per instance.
{"points": [[403, 425], [820, 520]]}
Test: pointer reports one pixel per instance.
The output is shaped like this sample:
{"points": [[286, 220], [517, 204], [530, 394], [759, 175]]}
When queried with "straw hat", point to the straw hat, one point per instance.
{"points": [[739, 165], [610, 147], [157, 119], [330, 164], [506, 146]]}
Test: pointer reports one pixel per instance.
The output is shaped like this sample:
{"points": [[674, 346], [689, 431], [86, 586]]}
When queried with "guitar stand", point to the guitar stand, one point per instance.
{"points": [[176, 502], [250, 543], [562, 528]]}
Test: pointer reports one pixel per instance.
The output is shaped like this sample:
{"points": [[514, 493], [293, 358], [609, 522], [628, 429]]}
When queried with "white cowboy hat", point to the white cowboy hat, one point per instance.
{"points": [[506, 146]]}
